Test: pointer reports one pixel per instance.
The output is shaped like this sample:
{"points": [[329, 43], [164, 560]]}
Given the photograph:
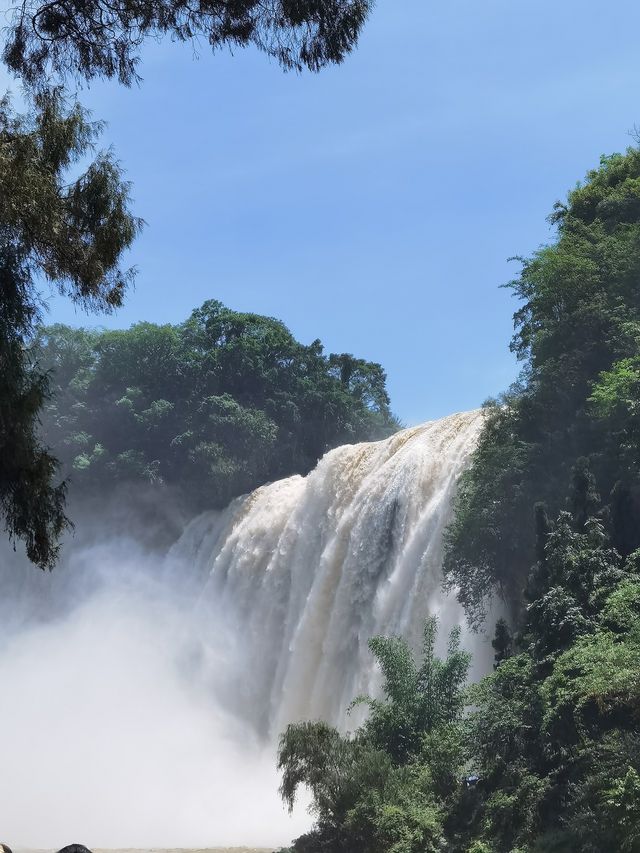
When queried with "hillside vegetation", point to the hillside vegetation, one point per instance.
{"points": [[546, 756], [211, 408]]}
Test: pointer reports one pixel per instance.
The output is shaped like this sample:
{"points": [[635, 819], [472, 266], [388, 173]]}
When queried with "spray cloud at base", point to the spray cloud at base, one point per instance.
{"points": [[110, 732], [143, 694]]}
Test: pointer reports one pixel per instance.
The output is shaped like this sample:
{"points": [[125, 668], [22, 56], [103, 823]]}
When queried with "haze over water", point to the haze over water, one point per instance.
{"points": [[143, 695]]}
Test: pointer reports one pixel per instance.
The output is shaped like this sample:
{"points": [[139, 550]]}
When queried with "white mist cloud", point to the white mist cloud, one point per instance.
{"points": [[110, 733]]}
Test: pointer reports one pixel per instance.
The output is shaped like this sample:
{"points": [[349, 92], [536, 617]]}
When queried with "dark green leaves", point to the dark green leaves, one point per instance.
{"points": [[104, 39], [70, 230], [212, 408], [577, 334], [383, 788]]}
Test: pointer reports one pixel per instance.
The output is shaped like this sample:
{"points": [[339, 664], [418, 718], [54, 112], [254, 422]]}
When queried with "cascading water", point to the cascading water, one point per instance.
{"points": [[307, 569], [143, 695]]}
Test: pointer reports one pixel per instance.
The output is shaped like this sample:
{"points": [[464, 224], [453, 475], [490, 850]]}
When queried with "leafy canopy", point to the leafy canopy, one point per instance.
{"points": [[69, 227], [378, 790], [577, 334], [98, 38], [212, 407]]}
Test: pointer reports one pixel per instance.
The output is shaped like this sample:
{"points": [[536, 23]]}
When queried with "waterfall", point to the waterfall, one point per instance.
{"points": [[302, 572], [146, 691]]}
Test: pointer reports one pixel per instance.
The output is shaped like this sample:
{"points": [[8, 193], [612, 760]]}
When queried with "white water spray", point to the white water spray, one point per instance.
{"points": [[309, 568], [143, 711]]}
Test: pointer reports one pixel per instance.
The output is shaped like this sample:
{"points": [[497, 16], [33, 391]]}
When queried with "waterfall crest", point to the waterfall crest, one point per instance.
{"points": [[303, 571]]}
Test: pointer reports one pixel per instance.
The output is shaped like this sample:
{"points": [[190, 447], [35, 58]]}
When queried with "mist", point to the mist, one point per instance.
{"points": [[113, 733], [147, 679]]}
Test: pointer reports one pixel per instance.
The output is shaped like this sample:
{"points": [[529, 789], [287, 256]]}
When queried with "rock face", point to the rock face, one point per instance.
{"points": [[75, 848]]}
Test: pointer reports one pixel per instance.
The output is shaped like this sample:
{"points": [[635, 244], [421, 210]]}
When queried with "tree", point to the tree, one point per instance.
{"points": [[100, 38], [383, 788], [553, 731], [417, 700], [74, 234], [212, 408], [577, 334], [502, 642], [67, 229]]}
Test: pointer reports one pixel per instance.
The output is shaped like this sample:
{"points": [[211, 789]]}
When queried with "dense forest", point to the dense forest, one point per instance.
{"points": [[542, 755], [210, 408]]}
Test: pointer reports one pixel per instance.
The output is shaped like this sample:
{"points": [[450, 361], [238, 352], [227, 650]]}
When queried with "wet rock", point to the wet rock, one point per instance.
{"points": [[73, 848]]}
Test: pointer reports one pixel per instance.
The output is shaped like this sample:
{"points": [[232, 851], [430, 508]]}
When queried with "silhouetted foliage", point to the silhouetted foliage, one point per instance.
{"points": [[99, 38], [67, 229], [502, 642]]}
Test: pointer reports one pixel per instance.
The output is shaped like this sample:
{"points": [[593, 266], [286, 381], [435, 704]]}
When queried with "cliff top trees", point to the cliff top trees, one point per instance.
{"points": [[213, 407]]}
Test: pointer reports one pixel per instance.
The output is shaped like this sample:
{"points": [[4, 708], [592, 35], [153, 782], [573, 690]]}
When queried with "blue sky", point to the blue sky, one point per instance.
{"points": [[373, 205]]}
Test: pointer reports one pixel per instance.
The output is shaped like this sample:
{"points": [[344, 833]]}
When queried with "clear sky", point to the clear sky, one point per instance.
{"points": [[374, 205]]}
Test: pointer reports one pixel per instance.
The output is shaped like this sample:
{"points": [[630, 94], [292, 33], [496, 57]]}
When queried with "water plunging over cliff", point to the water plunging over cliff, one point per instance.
{"points": [[305, 570], [145, 695]]}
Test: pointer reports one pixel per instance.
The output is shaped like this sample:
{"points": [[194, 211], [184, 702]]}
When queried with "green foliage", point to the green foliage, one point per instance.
{"points": [[67, 229], [383, 788], [622, 810], [555, 724], [334, 768], [400, 816], [617, 390], [502, 642], [577, 333], [597, 677], [417, 700], [212, 408], [621, 610], [98, 38], [549, 516]]}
